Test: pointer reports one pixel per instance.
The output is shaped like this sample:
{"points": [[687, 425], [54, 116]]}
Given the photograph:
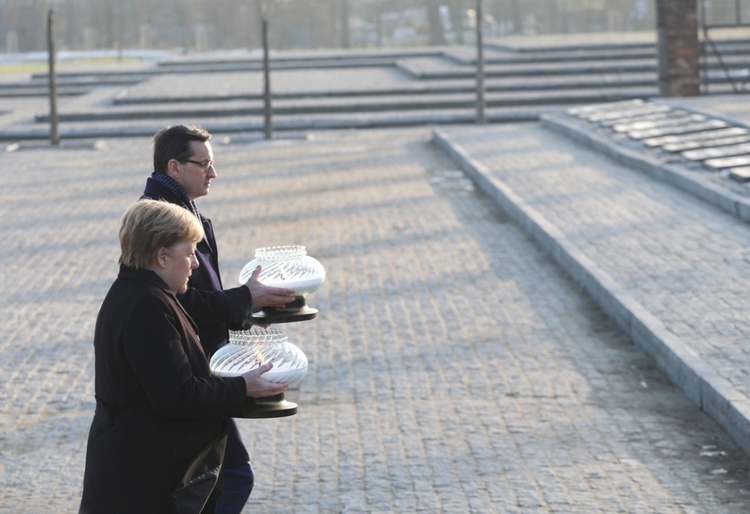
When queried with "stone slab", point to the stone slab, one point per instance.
{"points": [[728, 162], [740, 174], [717, 152], [680, 129], [706, 143], [703, 135]]}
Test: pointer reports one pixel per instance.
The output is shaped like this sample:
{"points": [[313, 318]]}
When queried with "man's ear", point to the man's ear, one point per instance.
{"points": [[173, 169]]}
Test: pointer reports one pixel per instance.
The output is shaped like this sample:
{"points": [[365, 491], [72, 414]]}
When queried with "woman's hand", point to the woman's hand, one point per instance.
{"points": [[258, 387]]}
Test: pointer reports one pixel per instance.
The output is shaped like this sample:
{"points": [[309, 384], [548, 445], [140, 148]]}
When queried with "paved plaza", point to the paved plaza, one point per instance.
{"points": [[454, 366], [512, 321]]}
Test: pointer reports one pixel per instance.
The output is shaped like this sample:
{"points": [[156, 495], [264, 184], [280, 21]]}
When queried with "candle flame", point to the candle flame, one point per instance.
{"points": [[259, 354]]}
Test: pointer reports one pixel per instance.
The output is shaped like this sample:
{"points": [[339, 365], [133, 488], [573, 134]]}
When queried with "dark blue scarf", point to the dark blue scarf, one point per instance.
{"points": [[176, 188]]}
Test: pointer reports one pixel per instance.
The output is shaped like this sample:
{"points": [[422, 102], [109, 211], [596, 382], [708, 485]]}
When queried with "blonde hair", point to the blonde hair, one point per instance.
{"points": [[149, 225]]}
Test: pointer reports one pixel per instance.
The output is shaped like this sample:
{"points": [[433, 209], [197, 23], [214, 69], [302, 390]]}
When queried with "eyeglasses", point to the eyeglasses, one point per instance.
{"points": [[205, 165]]}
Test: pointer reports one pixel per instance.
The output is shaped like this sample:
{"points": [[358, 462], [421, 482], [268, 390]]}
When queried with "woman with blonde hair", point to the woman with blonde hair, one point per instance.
{"points": [[157, 440]]}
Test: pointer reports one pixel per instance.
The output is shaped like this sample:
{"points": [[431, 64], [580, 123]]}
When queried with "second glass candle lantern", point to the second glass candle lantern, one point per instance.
{"points": [[247, 350]]}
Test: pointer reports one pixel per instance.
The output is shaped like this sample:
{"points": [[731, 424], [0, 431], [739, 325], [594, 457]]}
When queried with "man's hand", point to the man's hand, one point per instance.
{"points": [[266, 296], [258, 387]]}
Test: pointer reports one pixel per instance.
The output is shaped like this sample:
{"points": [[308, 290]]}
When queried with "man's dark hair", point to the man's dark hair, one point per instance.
{"points": [[173, 142]]}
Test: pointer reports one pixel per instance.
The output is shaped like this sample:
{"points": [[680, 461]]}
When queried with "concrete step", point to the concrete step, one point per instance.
{"points": [[301, 107], [229, 125], [134, 97]]}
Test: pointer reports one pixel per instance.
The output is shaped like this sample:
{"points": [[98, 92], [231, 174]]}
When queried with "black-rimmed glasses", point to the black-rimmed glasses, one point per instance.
{"points": [[205, 165]]}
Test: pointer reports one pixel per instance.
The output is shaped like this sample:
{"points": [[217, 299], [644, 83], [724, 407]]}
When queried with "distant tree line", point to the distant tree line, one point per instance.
{"points": [[197, 25]]}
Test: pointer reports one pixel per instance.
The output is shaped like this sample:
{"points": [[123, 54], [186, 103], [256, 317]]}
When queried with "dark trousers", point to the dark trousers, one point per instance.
{"points": [[238, 484], [238, 476]]}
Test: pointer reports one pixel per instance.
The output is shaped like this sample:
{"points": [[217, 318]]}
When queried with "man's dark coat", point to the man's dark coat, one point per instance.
{"points": [[211, 307]]}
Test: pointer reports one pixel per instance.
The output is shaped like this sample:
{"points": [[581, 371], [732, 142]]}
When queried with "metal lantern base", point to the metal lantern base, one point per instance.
{"points": [[295, 311], [269, 407]]}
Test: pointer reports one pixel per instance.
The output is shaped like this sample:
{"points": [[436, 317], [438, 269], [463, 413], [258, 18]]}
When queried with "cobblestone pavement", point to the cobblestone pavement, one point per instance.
{"points": [[454, 366], [674, 265]]}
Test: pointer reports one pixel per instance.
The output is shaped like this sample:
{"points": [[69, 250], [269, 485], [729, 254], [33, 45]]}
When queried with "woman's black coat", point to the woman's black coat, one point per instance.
{"points": [[157, 403]]}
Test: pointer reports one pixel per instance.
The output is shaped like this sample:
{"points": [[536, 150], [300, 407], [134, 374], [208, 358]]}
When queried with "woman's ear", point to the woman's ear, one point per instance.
{"points": [[161, 257]]}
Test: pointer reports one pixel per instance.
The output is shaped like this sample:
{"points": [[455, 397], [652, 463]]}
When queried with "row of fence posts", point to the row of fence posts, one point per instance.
{"points": [[267, 108]]}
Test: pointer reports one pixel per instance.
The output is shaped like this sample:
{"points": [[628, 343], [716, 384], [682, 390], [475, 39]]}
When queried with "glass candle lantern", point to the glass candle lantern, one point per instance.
{"points": [[249, 349], [289, 267]]}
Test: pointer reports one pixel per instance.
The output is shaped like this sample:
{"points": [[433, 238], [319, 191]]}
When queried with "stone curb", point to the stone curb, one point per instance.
{"points": [[684, 367]]}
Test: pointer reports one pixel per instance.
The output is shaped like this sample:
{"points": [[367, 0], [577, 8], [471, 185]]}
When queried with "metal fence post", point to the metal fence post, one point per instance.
{"points": [[267, 110], [481, 116], [53, 116]]}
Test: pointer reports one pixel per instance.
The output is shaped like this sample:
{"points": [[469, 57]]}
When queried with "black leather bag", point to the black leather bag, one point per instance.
{"points": [[201, 478]]}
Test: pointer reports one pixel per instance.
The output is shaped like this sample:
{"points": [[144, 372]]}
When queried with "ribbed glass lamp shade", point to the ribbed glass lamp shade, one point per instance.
{"points": [[248, 349], [289, 267], [286, 266]]}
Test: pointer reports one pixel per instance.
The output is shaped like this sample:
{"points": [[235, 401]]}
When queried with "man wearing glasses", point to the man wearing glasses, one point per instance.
{"points": [[183, 171]]}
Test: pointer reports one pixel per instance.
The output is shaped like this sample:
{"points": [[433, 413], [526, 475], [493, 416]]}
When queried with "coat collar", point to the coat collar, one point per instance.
{"points": [[156, 189], [151, 278], [143, 275]]}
